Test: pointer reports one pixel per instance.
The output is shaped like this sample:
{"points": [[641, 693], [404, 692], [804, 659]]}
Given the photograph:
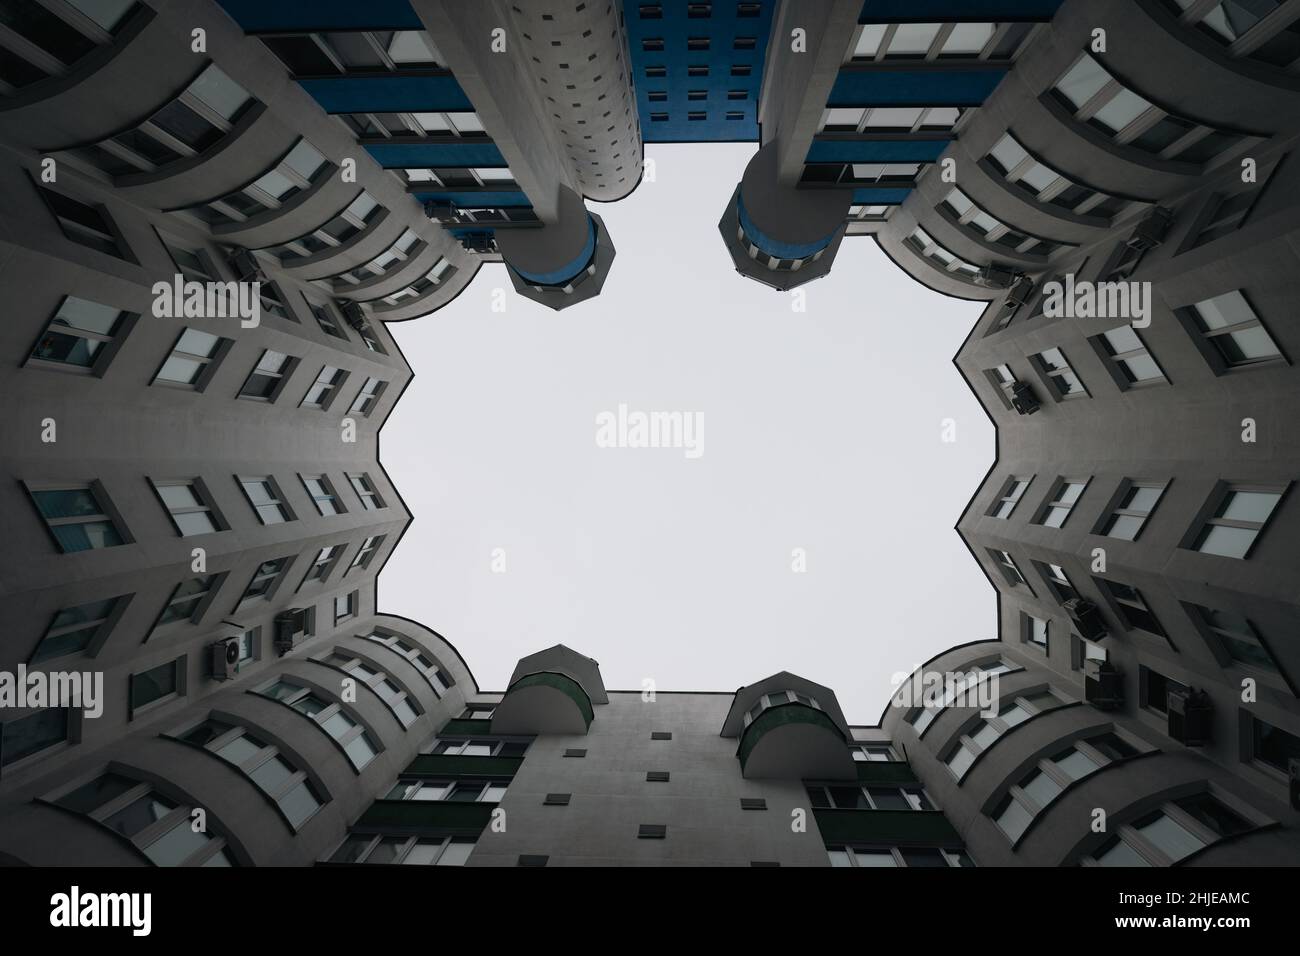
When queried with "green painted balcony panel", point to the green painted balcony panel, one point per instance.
{"points": [[543, 703], [444, 816], [447, 765], [795, 741], [466, 728], [880, 771], [887, 827]]}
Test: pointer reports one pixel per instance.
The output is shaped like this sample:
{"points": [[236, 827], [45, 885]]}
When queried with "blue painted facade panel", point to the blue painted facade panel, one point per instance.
{"points": [[388, 94], [674, 28], [260, 16], [512, 199], [880, 197], [421, 155], [948, 11], [967, 87], [876, 151]]}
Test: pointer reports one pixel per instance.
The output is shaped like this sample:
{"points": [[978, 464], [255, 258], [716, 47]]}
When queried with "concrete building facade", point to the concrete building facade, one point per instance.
{"points": [[197, 512]]}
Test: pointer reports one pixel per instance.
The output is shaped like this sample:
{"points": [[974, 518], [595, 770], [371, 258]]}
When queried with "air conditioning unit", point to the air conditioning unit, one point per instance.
{"points": [[1020, 292], [290, 626], [440, 210], [1103, 686], [1190, 714], [1151, 231], [1294, 767], [225, 658], [995, 277], [246, 267], [1023, 399], [481, 242], [1087, 618], [354, 315]]}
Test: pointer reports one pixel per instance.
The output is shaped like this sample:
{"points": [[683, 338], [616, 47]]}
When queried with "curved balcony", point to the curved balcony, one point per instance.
{"points": [[795, 741], [543, 703]]}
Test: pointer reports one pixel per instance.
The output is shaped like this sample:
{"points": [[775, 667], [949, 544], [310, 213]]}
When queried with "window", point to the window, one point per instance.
{"points": [[1095, 97], [984, 732], [1046, 185], [1039, 788], [873, 753], [325, 319], [1156, 688], [322, 494], [460, 790], [82, 335], [1246, 28], [28, 735], [394, 697], [347, 732], [777, 699], [158, 684], [1224, 215], [158, 825], [264, 580], [877, 856], [366, 553], [1234, 640], [1241, 514], [1172, 833], [478, 712], [82, 628], [1131, 607], [1230, 333], [325, 389], [77, 517], [920, 242], [1057, 581], [368, 396], [942, 41], [85, 224], [1009, 497], [1127, 358], [438, 679], [1010, 570], [1033, 630], [264, 496], [1137, 500], [189, 600], [833, 796], [894, 119], [323, 563], [1055, 512], [296, 172], [1057, 375], [365, 490], [1272, 746], [48, 44], [193, 360], [922, 717], [268, 376], [186, 126], [989, 229], [359, 215], [407, 850], [272, 772], [188, 505], [481, 747], [345, 607]]}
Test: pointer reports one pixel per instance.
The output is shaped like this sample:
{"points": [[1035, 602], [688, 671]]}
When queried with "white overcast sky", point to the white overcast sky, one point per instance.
{"points": [[822, 431]]}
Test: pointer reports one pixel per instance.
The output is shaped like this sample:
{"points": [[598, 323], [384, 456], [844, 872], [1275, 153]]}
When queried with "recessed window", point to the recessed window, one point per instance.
{"points": [[1056, 510], [164, 682], [265, 497], [984, 732], [1010, 570], [406, 851], [1231, 333], [366, 553], [1049, 186], [189, 507], [189, 600], [345, 607], [1012, 491], [1128, 358], [1172, 833], [346, 731], [322, 564], [193, 360], [1057, 375], [365, 401], [1273, 747], [264, 579], [77, 517], [82, 628], [1057, 580], [85, 224], [26, 736], [1137, 500], [1034, 631], [1245, 30], [82, 335], [1234, 640], [325, 389], [268, 377], [1241, 514], [366, 492], [1131, 606], [321, 491], [159, 826]]}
